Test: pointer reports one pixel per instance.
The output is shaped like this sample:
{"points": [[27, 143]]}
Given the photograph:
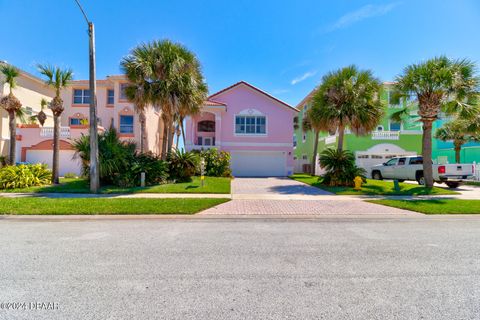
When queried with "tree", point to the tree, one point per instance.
{"points": [[58, 79], [438, 84], [347, 98], [13, 106], [41, 116], [459, 131], [310, 122], [167, 75]]}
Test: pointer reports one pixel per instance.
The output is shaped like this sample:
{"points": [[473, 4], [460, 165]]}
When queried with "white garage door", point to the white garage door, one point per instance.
{"points": [[258, 163], [67, 163]]}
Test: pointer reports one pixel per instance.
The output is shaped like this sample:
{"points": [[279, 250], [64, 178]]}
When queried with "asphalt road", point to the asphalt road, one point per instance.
{"points": [[327, 268]]}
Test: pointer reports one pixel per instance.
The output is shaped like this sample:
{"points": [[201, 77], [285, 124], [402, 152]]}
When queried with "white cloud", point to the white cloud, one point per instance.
{"points": [[365, 12], [303, 77], [280, 91]]}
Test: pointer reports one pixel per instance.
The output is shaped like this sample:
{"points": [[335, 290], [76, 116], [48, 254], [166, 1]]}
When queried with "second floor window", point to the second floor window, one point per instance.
{"points": [[123, 95], [81, 96], [77, 121], [126, 124], [110, 96], [250, 125]]}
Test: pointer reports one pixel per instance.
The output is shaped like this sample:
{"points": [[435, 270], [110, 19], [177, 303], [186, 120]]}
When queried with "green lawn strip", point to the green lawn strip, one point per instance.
{"points": [[473, 183], [218, 185], [374, 187], [435, 206], [89, 206]]}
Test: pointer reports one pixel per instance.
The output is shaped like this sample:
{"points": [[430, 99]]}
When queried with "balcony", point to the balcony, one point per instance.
{"points": [[386, 135], [47, 132]]}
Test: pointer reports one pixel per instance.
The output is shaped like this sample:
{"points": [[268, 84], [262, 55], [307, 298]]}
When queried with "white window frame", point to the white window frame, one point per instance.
{"points": [[380, 126], [250, 116], [108, 97]]}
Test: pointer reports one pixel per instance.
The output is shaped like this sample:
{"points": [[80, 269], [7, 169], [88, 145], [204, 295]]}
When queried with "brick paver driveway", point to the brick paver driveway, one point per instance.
{"points": [[284, 196]]}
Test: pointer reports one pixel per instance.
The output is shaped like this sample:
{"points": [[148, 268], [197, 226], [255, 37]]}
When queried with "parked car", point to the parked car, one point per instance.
{"points": [[411, 168]]}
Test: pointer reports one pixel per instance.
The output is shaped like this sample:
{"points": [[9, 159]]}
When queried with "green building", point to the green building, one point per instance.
{"points": [[390, 139]]}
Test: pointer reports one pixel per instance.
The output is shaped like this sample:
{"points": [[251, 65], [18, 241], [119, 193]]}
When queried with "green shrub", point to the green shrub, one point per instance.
{"points": [[182, 165], [340, 167], [3, 161], [119, 162], [217, 163], [70, 175], [24, 176]]}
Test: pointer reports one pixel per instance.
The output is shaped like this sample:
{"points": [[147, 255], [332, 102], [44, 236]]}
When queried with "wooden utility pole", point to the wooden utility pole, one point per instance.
{"points": [[94, 167]]}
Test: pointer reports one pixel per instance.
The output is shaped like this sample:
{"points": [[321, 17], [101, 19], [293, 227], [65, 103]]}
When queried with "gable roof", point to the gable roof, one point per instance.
{"points": [[209, 102], [254, 88]]}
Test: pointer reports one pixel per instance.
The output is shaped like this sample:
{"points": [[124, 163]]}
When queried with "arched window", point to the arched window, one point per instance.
{"points": [[206, 126]]}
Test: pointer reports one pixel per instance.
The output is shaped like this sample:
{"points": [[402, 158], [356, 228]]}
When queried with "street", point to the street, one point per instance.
{"points": [[397, 267]]}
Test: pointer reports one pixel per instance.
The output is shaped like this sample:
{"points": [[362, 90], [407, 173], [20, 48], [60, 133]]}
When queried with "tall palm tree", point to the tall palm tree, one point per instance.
{"points": [[179, 87], [41, 116], [58, 79], [12, 105], [137, 67], [438, 84], [459, 131], [347, 98], [312, 121], [168, 75]]}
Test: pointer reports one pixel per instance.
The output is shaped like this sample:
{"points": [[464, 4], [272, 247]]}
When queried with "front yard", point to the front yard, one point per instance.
{"points": [[373, 187], [435, 206], [217, 185], [93, 206]]}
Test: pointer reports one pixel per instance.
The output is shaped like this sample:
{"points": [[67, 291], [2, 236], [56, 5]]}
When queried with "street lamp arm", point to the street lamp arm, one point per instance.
{"points": [[83, 12]]}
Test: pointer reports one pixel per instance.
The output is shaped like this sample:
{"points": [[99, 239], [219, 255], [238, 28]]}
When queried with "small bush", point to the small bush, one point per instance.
{"points": [[217, 163], [70, 175], [156, 171], [340, 168], [3, 161], [24, 176], [182, 165]]}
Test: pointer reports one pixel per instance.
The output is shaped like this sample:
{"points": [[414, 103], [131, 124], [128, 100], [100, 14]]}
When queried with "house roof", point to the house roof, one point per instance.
{"points": [[254, 88], [214, 103]]}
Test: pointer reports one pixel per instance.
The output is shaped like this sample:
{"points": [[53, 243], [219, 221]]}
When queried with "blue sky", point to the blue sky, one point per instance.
{"points": [[283, 47]]}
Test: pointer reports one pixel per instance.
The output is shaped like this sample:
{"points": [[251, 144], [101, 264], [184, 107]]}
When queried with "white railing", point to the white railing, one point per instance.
{"points": [[476, 171], [386, 135], [330, 139], [47, 132]]}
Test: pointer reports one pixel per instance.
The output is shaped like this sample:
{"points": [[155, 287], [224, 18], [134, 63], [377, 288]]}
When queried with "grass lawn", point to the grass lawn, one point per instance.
{"points": [[88, 206], [212, 185], [473, 183], [373, 187], [436, 206]]}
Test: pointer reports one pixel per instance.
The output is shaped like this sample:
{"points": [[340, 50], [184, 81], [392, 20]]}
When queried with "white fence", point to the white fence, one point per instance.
{"points": [[47, 132], [476, 171]]}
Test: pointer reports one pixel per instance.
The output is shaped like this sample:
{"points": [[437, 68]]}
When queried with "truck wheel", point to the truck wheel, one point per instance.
{"points": [[452, 185], [376, 175], [420, 179]]}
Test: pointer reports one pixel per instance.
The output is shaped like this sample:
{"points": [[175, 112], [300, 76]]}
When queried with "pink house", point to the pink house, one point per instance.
{"points": [[252, 125]]}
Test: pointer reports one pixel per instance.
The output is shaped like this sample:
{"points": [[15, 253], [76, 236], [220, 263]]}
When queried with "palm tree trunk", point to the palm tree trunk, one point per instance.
{"points": [[171, 134], [458, 148], [142, 131], [427, 153], [12, 123], [315, 149], [164, 138], [183, 133], [341, 135], [56, 149]]}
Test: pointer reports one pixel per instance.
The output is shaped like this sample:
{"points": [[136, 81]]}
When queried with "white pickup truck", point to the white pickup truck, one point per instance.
{"points": [[411, 168]]}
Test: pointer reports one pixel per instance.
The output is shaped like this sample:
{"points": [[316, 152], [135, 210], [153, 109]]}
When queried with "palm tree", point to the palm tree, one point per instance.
{"points": [[348, 97], [459, 131], [168, 75], [312, 121], [41, 116], [438, 84], [179, 87], [58, 79], [12, 105]]}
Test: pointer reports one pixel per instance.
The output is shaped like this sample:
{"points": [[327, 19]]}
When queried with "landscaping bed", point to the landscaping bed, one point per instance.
{"points": [[374, 187], [219, 185], [435, 206], [89, 206]]}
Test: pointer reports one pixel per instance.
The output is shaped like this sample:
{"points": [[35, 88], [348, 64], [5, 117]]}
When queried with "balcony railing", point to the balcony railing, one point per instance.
{"points": [[330, 139], [47, 132], [386, 135]]}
